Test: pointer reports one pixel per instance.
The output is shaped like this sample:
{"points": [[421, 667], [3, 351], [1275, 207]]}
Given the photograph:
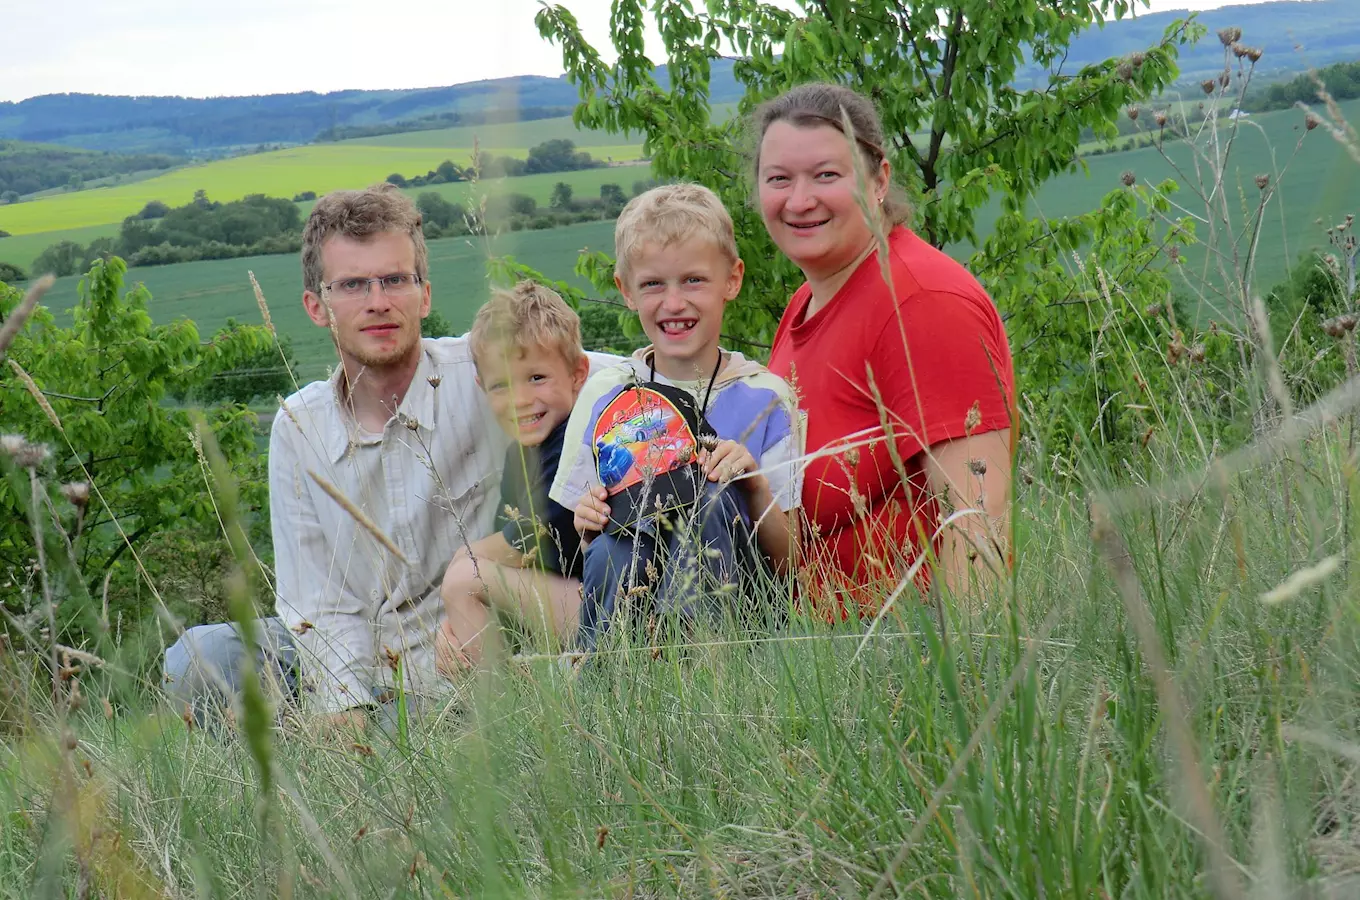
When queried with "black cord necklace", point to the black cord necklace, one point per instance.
{"points": [[708, 392]]}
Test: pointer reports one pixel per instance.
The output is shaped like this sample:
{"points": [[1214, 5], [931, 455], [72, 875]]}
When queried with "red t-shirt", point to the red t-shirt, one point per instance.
{"points": [[936, 347]]}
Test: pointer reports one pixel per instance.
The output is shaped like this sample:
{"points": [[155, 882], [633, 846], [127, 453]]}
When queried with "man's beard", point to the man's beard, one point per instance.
{"points": [[381, 360]]}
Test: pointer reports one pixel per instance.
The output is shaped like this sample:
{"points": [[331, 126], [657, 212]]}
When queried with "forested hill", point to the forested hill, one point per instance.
{"points": [[1328, 30]]}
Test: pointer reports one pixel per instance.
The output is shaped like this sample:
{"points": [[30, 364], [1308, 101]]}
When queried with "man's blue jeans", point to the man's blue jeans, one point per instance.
{"points": [[687, 568]]}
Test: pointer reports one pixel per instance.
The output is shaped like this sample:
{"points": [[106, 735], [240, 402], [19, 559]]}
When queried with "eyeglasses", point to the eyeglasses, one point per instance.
{"points": [[398, 284]]}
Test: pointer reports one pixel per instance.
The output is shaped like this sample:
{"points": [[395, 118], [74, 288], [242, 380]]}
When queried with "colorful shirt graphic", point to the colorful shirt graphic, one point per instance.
{"points": [[619, 432], [639, 435]]}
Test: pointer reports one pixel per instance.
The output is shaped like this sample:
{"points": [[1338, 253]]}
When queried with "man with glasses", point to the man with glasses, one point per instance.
{"points": [[377, 477]]}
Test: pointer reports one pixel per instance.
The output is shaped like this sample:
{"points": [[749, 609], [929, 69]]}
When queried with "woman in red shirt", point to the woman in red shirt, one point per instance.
{"points": [[905, 382]]}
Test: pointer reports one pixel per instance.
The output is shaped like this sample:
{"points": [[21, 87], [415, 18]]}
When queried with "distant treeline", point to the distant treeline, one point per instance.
{"points": [[258, 225], [200, 229], [1341, 80], [557, 155], [442, 120], [29, 168]]}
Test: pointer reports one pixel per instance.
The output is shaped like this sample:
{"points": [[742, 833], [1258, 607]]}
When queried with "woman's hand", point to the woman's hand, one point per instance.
{"points": [[592, 513], [729, 460]]}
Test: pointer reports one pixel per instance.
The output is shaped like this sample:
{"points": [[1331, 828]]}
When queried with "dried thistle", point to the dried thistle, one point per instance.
{"points": [[1124, 71], [1197, 353], [1208, 85], [977, 466], [1160, 118], [1255, 53], [1153, 310], [1128, 179], [434, 380], [1174, 253], [77, 493], [1176, 348], [1132, 113], [1239, 49], [1263, 181], [1137, 58], [973, 419], [1224, 78], [1229, 36], [31, 456], [1311, 121]]}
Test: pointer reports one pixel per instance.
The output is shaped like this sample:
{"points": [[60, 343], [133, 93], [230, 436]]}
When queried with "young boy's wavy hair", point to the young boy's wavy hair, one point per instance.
{"points": [[668, 214], [519, 319]]}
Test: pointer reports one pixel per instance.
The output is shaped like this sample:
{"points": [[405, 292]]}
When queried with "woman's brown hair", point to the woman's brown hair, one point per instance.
{"points": [[820, 104]]}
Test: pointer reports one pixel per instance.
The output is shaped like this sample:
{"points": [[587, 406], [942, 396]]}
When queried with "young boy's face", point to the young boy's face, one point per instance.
{"points": [[679, 292], [531, 389]]}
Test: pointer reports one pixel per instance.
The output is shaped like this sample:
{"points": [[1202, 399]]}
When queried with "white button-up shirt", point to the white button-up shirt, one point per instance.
{"points": [[429, 482]]}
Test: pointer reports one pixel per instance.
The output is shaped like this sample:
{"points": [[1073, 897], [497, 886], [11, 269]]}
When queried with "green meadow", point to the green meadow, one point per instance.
{"points": [[213, 291]]}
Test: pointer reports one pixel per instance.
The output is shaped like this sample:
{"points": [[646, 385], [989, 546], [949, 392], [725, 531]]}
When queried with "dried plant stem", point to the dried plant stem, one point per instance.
{"points": [[358, 515]]}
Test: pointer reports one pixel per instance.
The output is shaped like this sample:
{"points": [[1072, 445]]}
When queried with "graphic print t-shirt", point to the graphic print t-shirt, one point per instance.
{"points": [[748, 404], [528, 518]]}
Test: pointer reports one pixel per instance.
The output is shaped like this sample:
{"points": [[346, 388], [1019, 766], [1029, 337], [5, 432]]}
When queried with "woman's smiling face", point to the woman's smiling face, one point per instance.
{"points": [[807, 190]]}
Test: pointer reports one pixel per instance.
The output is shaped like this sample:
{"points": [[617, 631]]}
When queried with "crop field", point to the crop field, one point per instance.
{"points": [[1321, 184], [22, 249], [504, 134], [280, 173], [213, 291]]}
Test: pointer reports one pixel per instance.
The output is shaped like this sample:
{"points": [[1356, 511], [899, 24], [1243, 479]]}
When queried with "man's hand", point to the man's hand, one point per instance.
{"points": [[449, 659], [592, 513], [727, 461]]}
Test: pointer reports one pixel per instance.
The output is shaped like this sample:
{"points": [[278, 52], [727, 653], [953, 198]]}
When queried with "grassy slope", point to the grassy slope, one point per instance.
{"points": [[211, 292], [1321, 183], [22, 249], [508, 134], [281, 173], [1010, 761]]}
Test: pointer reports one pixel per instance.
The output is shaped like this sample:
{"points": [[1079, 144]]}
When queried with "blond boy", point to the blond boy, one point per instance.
{"points": [[678, 268], [526, 345]]}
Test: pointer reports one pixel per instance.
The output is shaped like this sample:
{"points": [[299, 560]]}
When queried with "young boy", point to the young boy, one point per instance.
{"points": [[677, 268], [526, 345]]}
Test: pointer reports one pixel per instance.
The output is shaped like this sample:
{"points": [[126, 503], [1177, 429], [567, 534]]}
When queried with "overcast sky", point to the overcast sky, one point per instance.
{"points": [[204, 48]]}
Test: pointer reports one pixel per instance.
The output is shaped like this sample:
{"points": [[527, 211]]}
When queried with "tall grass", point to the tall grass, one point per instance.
{"points": [[1023, 751]]}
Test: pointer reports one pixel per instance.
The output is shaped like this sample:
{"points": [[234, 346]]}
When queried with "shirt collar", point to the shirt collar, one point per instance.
{"points": [[416, 407]]}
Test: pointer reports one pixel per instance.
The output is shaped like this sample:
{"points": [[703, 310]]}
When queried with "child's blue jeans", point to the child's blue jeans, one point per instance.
{"points": [[687, 567]]}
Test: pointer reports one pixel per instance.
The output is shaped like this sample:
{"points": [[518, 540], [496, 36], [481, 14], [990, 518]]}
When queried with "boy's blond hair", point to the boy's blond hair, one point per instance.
{"points": [[671, 213], [525, 316]]}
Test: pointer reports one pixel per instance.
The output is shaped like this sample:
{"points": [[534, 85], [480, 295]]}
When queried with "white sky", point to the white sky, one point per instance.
{"points": [[203, 48]]}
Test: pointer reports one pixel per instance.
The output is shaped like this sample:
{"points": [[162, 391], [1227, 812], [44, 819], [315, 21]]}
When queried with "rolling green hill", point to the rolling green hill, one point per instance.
{"points": [[282, 173], [210, 292]]}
